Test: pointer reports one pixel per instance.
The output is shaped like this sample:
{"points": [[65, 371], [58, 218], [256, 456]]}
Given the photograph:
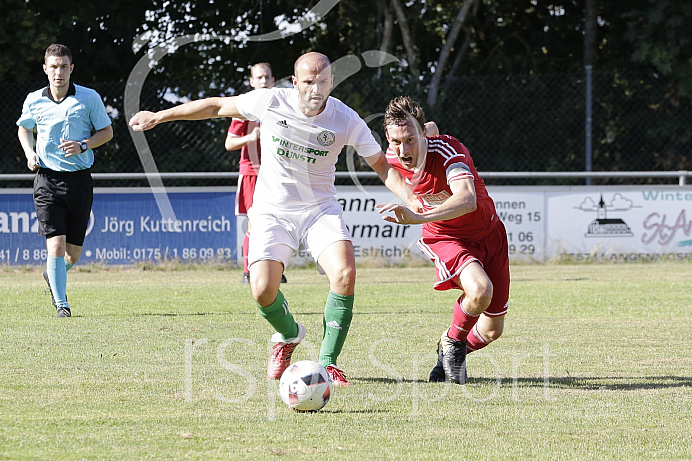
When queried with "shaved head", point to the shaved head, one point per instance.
{"points": [[312, 77], [312, 60]]}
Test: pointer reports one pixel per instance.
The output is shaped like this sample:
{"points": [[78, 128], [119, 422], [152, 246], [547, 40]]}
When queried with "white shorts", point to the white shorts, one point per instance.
{"points": [[275, 236]]}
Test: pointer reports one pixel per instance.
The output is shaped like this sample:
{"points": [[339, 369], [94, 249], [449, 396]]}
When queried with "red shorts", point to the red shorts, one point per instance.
{"points": [[451, 256], [243, 194]]}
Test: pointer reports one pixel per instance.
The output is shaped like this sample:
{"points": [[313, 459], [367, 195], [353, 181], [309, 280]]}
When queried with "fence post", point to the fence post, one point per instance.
{"points": [[589, 102]]}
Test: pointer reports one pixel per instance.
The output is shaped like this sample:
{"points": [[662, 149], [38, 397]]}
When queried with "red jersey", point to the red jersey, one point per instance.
{"points": [[250, 153], [448, 160]]}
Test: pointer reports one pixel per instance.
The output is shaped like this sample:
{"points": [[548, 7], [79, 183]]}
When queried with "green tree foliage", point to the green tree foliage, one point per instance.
{"points": [[660, 36], [443, 50], [505, 38], [23, 40], [99, 34]]}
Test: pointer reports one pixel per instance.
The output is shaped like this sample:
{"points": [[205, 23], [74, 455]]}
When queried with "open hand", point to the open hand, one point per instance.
{"points": [[401, 214]]}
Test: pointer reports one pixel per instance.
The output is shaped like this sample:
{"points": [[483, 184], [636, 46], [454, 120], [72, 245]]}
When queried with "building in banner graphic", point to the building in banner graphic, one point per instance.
{"points": [[608, 228], [603, 226]]}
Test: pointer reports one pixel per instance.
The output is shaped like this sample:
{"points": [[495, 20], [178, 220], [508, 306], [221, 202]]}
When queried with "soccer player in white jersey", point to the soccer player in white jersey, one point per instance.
{"points": [[244, 135], [303, 132]]}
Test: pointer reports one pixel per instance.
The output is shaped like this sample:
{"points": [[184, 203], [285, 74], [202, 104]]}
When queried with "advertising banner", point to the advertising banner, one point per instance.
{"points": [[620, 224], [522, 210], [126, 227], [583, 223], [372, 236]]}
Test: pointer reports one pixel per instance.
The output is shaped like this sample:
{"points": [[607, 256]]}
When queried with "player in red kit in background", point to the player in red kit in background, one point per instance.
{"points": [[461, 234], [244, 135]]}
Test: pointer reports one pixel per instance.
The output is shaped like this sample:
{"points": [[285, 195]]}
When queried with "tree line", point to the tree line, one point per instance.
{"points": [[418, 47]]}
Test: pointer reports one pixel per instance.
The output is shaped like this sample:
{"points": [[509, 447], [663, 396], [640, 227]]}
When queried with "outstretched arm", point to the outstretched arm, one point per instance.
{"points": [[393, 180], [462, 201], [201, 109]]}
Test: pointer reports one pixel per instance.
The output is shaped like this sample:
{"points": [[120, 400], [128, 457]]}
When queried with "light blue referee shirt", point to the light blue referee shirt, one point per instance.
{"points": [[73, 119]]}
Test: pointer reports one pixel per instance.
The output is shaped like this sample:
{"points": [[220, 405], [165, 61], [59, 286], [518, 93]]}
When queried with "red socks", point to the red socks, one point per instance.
{"points": [[474, 341], [462, 322]]}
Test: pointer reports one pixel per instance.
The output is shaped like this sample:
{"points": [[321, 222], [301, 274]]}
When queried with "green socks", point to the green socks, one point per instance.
{"points": [[338, 313], [278, 316]]}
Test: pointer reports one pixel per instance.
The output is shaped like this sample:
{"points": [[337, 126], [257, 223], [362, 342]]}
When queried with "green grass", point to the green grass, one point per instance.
{"points": [[594, 363]]}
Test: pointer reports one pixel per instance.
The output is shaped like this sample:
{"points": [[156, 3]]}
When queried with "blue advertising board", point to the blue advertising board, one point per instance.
{"points": [[127, 226]]}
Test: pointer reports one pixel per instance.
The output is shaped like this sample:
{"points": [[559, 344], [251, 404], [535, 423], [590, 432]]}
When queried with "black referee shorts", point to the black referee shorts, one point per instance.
{"points": [[63, 203]]}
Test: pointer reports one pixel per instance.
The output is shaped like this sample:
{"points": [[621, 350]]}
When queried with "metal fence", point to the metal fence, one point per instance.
{"points": [[509, 124]]}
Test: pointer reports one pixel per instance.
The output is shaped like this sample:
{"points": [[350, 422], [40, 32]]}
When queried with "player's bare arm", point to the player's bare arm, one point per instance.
{"points": [[393, 180], [238, 142], [201, 109], [462, 201], [26, 139]]}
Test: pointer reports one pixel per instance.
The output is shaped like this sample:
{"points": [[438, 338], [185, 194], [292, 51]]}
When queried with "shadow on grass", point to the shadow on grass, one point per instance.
{"points": [[597, 383], [612, 383], [350, 412], [185, 314], [557, 279], [380, 380]]}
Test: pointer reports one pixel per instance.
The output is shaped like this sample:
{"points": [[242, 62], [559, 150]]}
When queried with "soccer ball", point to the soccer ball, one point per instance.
{"points": [[305, 386]]}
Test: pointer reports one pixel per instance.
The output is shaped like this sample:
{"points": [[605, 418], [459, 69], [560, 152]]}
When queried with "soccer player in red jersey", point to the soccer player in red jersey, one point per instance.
{"points": [[462, 234]]}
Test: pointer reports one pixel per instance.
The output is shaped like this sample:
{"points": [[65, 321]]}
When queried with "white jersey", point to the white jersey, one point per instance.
{"points": [[299, 153]]}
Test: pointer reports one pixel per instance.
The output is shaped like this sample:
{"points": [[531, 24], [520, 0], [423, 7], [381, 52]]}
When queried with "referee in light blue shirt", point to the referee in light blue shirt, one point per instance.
{"points": [[70, 120]]}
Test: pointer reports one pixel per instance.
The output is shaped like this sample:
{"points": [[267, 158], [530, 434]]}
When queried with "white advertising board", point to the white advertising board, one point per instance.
{"points": [[373, 238], [524, 215], [614, 223], [620, 223]]}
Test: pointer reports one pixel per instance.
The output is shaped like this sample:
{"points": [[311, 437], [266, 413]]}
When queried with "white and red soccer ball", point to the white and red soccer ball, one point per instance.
{"points": [[305, 386]]}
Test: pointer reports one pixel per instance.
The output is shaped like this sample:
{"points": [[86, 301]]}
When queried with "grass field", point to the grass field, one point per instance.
{"points": [[595, 363]]}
